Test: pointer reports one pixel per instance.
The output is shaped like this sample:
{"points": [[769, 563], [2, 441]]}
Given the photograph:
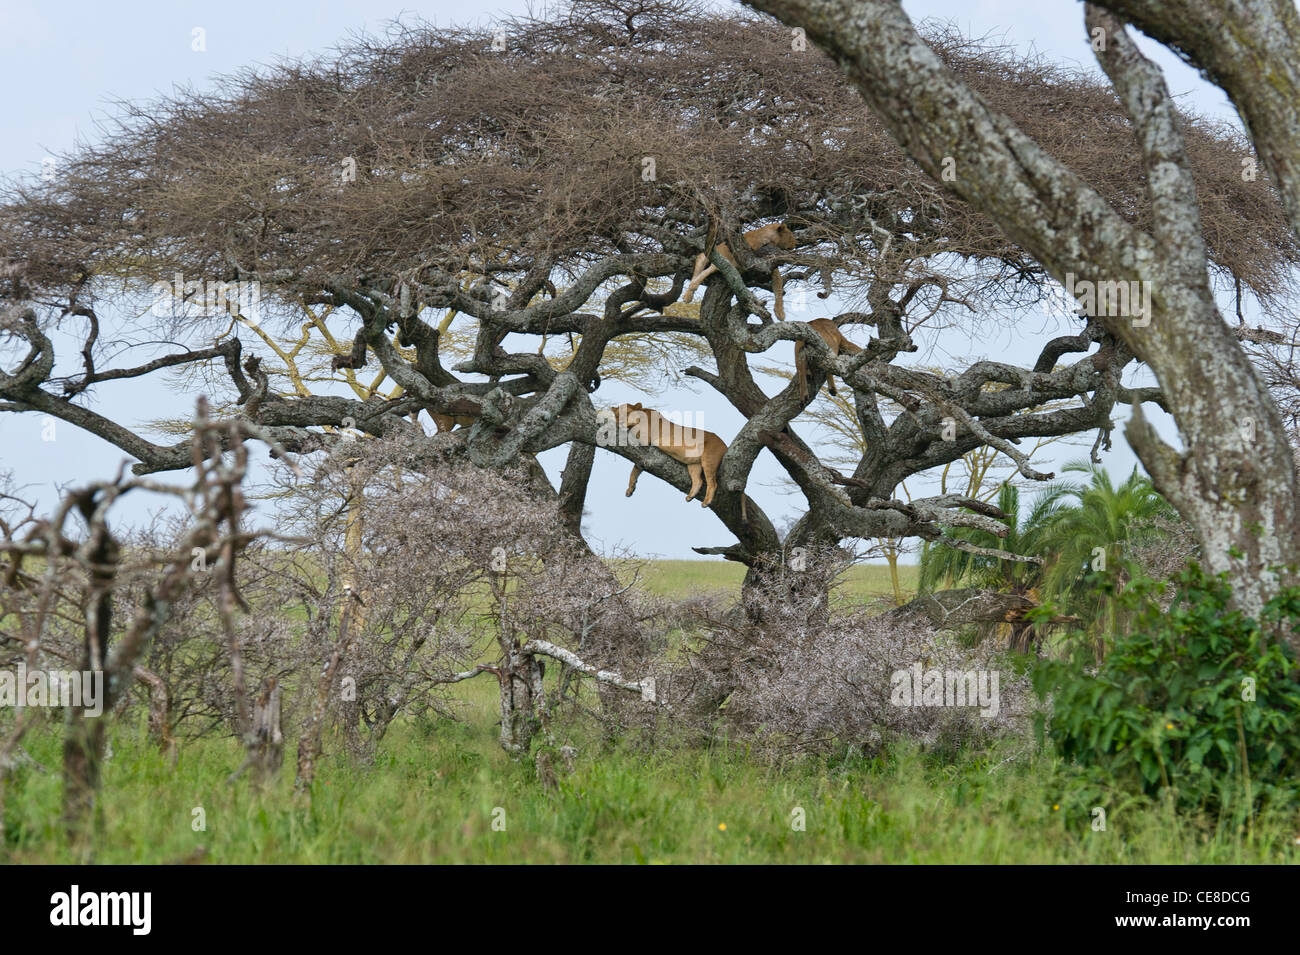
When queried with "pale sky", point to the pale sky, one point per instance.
{"points": [[63, 63]]}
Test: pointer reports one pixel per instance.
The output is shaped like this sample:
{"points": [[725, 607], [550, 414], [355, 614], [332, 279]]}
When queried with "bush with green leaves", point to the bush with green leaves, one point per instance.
{"points": [[1198, 703]]}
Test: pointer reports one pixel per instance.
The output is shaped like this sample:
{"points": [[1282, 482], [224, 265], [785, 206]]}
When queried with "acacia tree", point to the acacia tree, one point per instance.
{"points": [[1236, 482], [519, 177]]}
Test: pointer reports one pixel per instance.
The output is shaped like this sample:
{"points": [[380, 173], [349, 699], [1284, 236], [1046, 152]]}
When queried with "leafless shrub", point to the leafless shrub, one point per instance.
{"points": [[421, 574], [61, 583], [835, 687], [1163, 553], [805, 680]]}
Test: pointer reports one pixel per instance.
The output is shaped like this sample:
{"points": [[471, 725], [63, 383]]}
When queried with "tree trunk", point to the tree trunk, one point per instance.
{"points": [[83, 743], [352, 616], [891, 555], [573, 485], [83, 759], [269, 751], [522, 701], [160, 716], [309, 743]]}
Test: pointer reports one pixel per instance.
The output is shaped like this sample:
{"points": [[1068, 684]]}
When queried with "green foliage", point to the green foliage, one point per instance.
{"points": [[1085, 517], [1081, 531], [1026, 534], [1168, 713]]}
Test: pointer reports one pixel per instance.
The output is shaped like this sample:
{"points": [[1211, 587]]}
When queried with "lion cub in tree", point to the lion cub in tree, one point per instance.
{"points": [[834, 338], [701, 451], [777, 234]]}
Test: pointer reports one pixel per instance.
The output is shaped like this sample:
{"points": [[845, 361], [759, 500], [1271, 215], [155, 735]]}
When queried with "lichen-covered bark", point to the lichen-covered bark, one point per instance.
{"points": [[522, 698], [1251, 50]]}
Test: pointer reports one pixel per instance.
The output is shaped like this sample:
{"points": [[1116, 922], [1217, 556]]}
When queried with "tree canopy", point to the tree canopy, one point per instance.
{"points": [[559, 175]]}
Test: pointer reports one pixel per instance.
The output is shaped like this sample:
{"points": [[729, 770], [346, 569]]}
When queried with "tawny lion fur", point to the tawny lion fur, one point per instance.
{"points": [[778, 234], [835, 340], [448, 422], [701, 451]]}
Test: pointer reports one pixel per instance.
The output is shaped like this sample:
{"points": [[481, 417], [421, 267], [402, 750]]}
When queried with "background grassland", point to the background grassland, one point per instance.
{"points": [[431, 792], [692, 577]]}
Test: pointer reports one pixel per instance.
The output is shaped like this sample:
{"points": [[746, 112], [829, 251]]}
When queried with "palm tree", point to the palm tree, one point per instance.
{"points": [[1087, 537], [1080, 531], [1027, 534], [1024, 532]]}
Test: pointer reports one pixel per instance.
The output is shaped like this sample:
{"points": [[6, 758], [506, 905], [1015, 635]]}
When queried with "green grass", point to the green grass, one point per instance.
{"points": [[434, 787], [431, 796], [682, 577]]}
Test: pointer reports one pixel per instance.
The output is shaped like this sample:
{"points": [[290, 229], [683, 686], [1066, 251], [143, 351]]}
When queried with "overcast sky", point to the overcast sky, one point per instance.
{"points": [[63, 64]]}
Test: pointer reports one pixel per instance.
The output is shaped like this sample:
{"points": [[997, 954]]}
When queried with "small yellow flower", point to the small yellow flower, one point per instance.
{"points": [[722, 827], [1055, 808], [1169, 726]]}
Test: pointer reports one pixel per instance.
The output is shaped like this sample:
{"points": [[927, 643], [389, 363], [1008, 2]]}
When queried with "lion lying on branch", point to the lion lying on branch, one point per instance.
{"points": [[701, 451]]}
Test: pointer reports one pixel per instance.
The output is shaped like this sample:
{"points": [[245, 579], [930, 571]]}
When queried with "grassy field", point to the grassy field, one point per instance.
{"points": [[862, 582], [434, 792], [435, 789]]}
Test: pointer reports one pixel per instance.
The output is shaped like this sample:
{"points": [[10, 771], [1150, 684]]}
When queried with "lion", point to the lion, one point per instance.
{"points": [[834, 338], [448, 422], [777, 233], [701, 451]]}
